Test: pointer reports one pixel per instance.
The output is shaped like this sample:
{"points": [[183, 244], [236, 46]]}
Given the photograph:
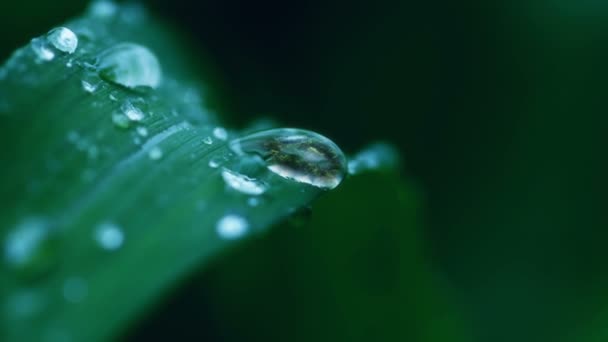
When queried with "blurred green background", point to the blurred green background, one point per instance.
{"points": [[498, 109]]}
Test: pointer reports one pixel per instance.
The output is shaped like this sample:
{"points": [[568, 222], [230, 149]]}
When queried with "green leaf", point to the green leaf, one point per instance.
{"points": [[114, 192]]}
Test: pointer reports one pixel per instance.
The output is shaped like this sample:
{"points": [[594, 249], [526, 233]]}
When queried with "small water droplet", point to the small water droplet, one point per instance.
{"points": [[120, 120], [102, 9], [113, 97], [253, 201], [208, 141], [130, 65], [69, 63], [109, 236], [296, 154], [155, 153], [63, 39], [242, 183], [75, 289], [142, 131], [215, 162], [30, 248], [42, 49], [232, 227], [132, 112], [220, 133], [88, 87], [374, 157]]}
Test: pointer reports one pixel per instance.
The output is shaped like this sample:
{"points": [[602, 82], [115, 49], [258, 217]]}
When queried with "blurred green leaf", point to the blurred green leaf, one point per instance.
{"points": [[356, 271]]}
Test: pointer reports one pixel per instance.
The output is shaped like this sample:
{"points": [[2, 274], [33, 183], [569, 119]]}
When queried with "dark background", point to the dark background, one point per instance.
{"points": [[497, 108]]}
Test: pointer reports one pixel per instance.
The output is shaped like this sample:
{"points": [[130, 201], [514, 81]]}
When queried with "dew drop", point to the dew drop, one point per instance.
{"points": [[142, 131], [42, 49], [220, 133], [31, 247], [130, 65], [109, 236], [242, 183], [232, 227], [155, 153], [120, 120], [131, 112], [253, 201], [63, 39], [102, 9], [208, 141], [215, 162], [88, 87], [296, 154], [374, 157]]}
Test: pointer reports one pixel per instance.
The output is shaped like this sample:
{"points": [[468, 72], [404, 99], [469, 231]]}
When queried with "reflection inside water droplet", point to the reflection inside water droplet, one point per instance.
{"points": [[242, 183], [232, 227], [130, 65], [296, 154]]}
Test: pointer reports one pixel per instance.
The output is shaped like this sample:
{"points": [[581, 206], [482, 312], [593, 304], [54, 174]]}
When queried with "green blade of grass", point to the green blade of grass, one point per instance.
{"points": [[69, 169]]}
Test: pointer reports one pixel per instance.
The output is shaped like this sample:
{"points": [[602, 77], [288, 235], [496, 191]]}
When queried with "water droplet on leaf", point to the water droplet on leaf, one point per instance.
{"points": [[142, 131], [374, 157], [102, 9], [132, 112], [220, 133], [120, 120], [31, 247], [155, 153], [63, 39], [296, 154], [208, 141], [130, 65], [109, 236], [232, 227], [242, 183]]}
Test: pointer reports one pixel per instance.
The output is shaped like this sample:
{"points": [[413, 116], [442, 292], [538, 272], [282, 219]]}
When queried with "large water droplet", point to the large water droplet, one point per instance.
{"points": [[232, 227], [31, 247], [109, 236], [242, 183], [130, 65], [63, 39], [374, 157], [297, 154]]}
